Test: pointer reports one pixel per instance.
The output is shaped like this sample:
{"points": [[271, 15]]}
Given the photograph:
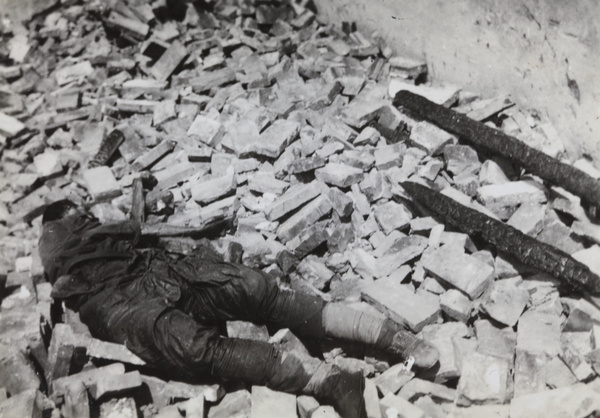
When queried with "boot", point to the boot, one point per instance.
{"points": [[260, 363], [406, 345], [340, 321], [344, 390]]}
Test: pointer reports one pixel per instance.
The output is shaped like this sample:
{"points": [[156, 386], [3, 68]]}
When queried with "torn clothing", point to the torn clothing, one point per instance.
{"points": [[168, 309]]}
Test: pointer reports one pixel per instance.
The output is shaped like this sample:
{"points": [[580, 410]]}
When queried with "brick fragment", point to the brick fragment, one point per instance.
{"points": [[430, 138], [152, 156], [276, 138], [309, 240], [484, 379], [292, 199], [504, 199], [341, 202], [389, 156], [399, 253], [461, 159], [494, 341], [456, 305], [29, 403], [401, 304], [557, 374], [269, 403], [17, 372], [210, 189], [110, 351], [115, 384], [529, 373], [589, 257], [572, 401], [391, 216], [163, 392], [313, 270], [122, 408], [393, 379], [539, 333], [164, 111], [491, 173], [417, 388], [529, 218], [368, 136], [265, 182], [360, 111], [306, 216], [306, 406], [233, 404], [464, 272], [477, 411], [340, 175], [209, 79], [168, 61], [505, 303], [556, 233], [87, 377], [304, 165], [130, 25], [486, 108], [10, 126], [101, 183], [73, 72], [445, 96], [394, 405], [361, 159], [326, 411]]}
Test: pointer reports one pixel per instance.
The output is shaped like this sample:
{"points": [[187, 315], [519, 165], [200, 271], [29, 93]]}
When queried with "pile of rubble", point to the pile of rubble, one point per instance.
{"points": [[261, 119]]}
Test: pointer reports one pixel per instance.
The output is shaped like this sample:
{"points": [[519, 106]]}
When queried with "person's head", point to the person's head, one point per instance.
{"points": [[59, 210]]}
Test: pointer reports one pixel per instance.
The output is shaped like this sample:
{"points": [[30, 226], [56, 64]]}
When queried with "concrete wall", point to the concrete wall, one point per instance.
{"points": [[545, 54]]}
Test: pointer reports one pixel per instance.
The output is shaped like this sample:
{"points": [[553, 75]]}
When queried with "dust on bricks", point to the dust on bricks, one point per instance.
{"points": [[268, 403], [504, 199], [340, 175], [459, 270], [504, 302], [430, 138], [101, 183], [292, 199], [289, 134], [401, 304], [308, 214]]}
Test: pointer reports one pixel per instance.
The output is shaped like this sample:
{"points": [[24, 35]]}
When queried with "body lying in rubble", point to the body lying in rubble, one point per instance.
{"points": [[167, 310]]}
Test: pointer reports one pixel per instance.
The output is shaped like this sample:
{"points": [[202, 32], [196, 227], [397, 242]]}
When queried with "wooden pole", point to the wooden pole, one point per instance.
{"points": [[494, 141], [524, 248]]}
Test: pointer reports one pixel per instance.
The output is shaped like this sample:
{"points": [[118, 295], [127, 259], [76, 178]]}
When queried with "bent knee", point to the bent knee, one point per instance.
{"points": [[184, 343]]}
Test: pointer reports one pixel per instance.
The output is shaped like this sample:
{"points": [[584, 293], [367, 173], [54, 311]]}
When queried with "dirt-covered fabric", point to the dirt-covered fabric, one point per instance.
{"points": [[168, 308]]}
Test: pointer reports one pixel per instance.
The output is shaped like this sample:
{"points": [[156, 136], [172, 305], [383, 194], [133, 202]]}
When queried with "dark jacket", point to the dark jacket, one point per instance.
{"points": [[85, 255]]}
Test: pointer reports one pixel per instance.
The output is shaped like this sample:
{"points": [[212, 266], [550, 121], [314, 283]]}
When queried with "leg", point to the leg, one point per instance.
{"points": [[174, 342], [250, 295]]}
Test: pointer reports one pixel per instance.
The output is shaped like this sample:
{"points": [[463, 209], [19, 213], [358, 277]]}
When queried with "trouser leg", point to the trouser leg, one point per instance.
{"points": [[252, 296], [343, 322], [199, 351], [176, 343]]}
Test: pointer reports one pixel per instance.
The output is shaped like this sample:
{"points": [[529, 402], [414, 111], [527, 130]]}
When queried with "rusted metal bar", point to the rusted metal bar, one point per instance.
{"points": [[494, 141], [524, 248]]}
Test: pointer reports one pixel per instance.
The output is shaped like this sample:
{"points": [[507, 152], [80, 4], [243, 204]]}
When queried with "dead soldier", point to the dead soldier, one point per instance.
{"points": [[167, 309]]}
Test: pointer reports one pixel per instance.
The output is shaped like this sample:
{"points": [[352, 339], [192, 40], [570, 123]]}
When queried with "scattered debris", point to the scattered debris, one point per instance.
{"points": [[272, 131]]}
